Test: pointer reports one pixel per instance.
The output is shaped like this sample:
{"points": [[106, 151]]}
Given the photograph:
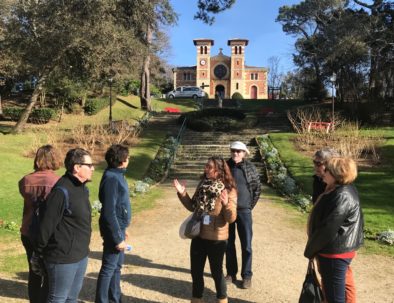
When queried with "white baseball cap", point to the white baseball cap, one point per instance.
{"points": [[239, 145]]}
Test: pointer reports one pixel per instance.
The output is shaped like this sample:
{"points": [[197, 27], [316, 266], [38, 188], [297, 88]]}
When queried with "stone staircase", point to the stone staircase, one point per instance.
{"points": [[197, 147], [164, 122]]}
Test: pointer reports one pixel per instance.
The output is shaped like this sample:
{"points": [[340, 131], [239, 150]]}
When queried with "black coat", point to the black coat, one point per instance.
{"points": [[252, 179], [336, 223], [65, 238]]}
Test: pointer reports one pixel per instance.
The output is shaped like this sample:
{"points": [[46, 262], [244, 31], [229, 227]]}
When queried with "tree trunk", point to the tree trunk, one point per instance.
{"points": [[26, 113], [145, 74], [1, 107]]}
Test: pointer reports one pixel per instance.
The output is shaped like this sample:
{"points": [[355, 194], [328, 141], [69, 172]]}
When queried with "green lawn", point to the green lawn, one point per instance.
{"points": [[375, 185]]}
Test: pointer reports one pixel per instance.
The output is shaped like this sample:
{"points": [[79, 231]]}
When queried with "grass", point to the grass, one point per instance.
{"points": [[374, 184]]}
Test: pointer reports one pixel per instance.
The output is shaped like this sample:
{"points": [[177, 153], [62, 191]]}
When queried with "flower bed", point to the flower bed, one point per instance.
{"points": [[277, 175]]}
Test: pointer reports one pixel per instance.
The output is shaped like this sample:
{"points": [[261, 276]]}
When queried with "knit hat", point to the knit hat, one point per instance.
{"points": [[239, 145]]}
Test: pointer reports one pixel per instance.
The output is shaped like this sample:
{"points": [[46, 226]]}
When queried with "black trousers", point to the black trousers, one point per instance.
{"points": [[37, 287], [200, 249]]}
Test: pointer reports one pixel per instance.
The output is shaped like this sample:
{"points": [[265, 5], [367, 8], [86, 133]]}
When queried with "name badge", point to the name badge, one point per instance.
{"points": [[206, 220]]}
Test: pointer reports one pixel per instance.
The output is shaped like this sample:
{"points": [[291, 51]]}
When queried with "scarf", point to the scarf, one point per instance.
{"points": [[207, 192]]}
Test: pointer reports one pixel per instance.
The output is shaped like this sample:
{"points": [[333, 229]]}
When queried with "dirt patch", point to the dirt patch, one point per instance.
{"points": [[157, 269]]}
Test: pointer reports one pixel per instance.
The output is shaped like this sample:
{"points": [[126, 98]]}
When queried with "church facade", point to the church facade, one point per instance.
{"points": [[223, 75]]}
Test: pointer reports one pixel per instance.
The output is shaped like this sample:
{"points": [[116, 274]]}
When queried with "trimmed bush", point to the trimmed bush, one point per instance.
{"points": [[237, 96], [13, 113], [94, 105], [37, 116], [41, 115], [219, 119]]}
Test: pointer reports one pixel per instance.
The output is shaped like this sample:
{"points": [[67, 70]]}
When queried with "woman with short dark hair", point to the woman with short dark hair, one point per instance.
{"points": [[115, 217], [35, 187], [335, 229], [216, 199]]}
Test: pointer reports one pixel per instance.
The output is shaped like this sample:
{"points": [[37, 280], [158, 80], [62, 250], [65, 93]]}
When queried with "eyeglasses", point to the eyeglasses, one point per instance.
{"points": [[318, 163], [90, 165], [236, 151]]}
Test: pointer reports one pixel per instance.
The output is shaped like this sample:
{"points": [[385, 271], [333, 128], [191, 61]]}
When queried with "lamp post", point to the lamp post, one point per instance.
{"points": [[333, 78], [110, 102]]}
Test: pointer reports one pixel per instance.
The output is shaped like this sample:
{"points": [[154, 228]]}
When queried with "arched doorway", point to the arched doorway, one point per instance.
{"points": [[253, 92], [219, 91]]}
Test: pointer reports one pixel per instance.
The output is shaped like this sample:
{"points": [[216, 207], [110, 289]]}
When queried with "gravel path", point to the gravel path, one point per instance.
{"points": [[157, 270]]}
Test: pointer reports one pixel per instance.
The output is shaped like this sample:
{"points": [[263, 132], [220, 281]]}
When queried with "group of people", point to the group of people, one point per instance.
{"points": [[58, 253], [335, 224], [226, 195]]}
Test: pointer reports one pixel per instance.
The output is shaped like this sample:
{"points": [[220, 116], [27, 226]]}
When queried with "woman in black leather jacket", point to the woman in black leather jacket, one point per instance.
{"points": [[335, 230]]}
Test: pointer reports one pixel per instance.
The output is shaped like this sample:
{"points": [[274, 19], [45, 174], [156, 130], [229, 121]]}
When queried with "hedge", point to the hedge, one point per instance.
{"points": [[218, 119], [37, 116], [93, 106]]}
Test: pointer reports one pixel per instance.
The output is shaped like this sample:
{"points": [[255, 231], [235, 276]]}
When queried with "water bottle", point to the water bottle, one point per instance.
{"points": [[128, 248]]}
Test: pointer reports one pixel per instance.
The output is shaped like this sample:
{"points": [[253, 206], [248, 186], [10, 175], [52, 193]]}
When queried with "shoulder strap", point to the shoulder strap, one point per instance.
{"points": [[67, 210]]}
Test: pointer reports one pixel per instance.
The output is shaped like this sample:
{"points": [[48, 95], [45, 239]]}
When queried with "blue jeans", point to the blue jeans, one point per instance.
{"points": [[108, 282], [333, 273], [200, 249], [65, 281], [244, 224]]}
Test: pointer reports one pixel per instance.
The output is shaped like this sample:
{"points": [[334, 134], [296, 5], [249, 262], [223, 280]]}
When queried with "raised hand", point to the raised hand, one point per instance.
{"points": [[181, 188], [224, 197]]}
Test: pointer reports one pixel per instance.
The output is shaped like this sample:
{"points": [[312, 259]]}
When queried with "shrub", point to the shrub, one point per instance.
{"points": [[161, 164], [219, 119], [93, 106], [277, 175], [13, 113], [38, 115], [42, 115], [386, 237], [237, 96]]}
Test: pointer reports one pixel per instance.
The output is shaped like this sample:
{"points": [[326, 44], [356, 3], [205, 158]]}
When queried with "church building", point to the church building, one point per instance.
{"points": [[223, 75]]}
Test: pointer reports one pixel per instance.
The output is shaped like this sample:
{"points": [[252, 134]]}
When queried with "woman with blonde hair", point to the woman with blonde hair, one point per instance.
{"points": [[216, 198], [335, 229], [35, 187]]}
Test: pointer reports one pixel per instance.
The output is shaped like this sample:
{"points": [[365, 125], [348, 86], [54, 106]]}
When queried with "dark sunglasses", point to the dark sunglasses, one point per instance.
{"points": [[318, 163], [238, 151], [90, 165]]}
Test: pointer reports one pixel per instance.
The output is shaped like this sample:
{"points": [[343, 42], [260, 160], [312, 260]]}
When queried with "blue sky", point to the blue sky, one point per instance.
{"points": [[249, 19]]}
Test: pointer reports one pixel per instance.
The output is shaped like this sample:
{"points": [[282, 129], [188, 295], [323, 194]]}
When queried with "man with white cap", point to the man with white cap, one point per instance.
{"points": [[249, 189]]}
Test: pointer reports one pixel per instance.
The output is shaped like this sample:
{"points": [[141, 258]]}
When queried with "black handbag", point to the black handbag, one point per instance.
{"points": [[311, 291]]}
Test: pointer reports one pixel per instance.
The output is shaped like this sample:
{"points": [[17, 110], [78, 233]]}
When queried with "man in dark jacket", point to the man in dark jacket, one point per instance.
{"points": [[65, 231], [115, 217], [248, 189]]}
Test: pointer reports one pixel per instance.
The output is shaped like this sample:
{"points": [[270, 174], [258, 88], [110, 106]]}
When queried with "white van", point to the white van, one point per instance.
{"points": [[186, 92]]}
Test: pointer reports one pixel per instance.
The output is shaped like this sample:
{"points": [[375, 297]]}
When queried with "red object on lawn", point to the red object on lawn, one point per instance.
{"points": [[172, 110]]}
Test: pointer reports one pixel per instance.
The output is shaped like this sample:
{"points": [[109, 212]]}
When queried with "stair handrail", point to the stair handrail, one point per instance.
{"points": [[177, 141]]}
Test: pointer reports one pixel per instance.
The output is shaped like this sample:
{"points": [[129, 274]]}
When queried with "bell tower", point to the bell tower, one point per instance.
{"points": [[237, 65], [203, 47]]}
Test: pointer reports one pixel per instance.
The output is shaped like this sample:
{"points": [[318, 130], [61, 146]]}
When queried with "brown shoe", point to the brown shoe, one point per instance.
{"points": [[230, 279], [246, 283]]}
